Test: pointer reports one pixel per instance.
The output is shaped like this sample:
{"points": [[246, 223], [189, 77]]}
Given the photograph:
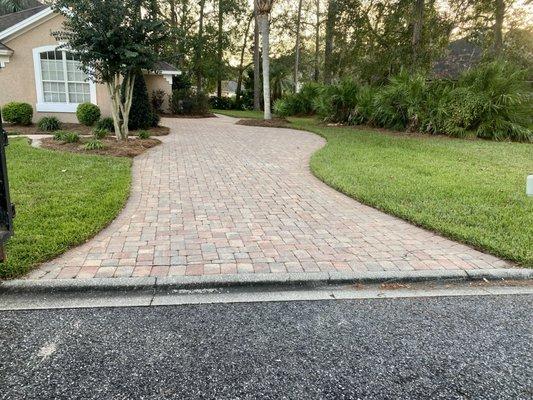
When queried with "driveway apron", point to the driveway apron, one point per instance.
{"points": [[220, 198]]}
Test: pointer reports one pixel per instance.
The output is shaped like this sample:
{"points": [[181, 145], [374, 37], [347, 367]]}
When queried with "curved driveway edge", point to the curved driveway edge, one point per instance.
{"points": [[217, 198]]}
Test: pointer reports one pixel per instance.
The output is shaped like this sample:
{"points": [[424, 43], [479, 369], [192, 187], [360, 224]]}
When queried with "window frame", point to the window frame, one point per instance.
{"points": [[42, 105]]}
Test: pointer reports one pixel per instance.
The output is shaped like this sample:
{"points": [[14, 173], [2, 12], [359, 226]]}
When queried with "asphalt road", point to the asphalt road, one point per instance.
{"points": [[430, 348]]}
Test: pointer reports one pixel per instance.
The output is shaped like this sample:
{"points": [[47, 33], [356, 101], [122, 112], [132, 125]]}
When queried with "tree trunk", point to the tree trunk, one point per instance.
{"points": [[241, 62], [257, 68], [297, 48], [265, 50], [498, 27], [330, 32], [418, 23], [199, 46], [219, 50], [317, 43], [120, 109]]}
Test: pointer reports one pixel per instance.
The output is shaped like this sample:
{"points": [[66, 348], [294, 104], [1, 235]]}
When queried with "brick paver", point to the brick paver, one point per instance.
{"points": [[219, 198]]}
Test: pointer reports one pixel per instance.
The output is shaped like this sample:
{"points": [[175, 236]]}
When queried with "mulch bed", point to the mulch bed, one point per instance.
{"points": [[112, 147], [272, 123], [71, 127]]}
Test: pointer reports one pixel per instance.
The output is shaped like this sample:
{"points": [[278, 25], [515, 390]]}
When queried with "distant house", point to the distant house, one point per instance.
{"points": [[35, 71], [460, 56]]}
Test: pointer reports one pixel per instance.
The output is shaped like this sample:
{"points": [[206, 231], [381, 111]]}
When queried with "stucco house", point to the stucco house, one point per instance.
{"points": [[35, 71]]}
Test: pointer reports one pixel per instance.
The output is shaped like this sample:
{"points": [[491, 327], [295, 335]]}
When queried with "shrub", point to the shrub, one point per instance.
{"points": [[71, 137], [336, 103], [106, 123], [301, 103], [142, 134], [363, 111], [398, 104], [158, 99], [60, 135], [49, 124], [17, 113], [141, 114], [184, 102], [100, 133], [94, 144], [502, 101], [88, 114], [221, 103]]}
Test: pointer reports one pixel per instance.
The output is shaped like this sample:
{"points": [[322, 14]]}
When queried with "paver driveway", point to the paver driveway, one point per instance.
{"points": [[219, 198]]}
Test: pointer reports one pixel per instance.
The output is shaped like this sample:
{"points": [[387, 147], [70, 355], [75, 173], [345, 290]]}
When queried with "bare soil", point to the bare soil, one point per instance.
{"points": [[112, 147], [80, 129]]}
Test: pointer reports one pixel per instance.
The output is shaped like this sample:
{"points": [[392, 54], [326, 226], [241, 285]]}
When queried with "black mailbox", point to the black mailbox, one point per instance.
{"points": [[7, 211]]}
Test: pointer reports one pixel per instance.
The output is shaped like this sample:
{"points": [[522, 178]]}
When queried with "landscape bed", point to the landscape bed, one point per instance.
{"points": [[62, 199], [111, 147], [472, 191], [80, 129]]}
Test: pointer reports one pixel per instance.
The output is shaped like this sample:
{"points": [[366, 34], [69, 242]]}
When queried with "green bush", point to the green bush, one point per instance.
{"points": [[67, 136], [185, 102], [336, 103], [363, 112], [142, 115], [88, 114], [158, 99], [142, 134], [221, 103], [100, 133], [398, 104], [94, 144], [301, 103], [49, 124], [17, 113], [106, 123], [60, 135]]}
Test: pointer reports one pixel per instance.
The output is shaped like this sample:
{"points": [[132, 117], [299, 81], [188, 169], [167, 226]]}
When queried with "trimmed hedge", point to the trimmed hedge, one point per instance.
{"points": [[88, 114], [17, 113]]}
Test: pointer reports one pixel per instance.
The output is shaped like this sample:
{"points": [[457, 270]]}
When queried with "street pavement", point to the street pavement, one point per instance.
{"points": [[475, 347]]}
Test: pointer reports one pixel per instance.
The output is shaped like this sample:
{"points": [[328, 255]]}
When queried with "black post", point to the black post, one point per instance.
{"points": [[7, 210]]}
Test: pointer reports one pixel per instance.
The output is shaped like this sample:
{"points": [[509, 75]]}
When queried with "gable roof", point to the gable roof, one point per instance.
{"points": [[163, 66], [9, 20], [461, 55]]}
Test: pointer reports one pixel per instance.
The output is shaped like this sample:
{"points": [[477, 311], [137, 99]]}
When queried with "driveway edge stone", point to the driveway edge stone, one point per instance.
{"points": [[255, 280]]}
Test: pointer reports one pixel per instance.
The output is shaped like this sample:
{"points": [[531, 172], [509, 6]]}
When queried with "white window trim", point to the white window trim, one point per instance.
{"points": [[43, 106]]}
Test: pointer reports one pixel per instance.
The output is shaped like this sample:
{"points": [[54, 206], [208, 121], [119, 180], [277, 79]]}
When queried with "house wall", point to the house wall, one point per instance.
{"points": [[158, 82], [17, 79]]}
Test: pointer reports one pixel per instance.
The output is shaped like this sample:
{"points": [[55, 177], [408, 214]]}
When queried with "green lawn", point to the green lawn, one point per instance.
{"points": [[472, 191], [62, 199], [240, 114]]}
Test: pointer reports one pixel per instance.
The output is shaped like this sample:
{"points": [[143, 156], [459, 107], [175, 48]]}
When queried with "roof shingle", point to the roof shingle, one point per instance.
{"points": [[8, 20]]}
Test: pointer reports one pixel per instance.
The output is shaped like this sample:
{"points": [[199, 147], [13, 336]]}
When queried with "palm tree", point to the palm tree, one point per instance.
{"points": [[263, 8], [11, 6]]}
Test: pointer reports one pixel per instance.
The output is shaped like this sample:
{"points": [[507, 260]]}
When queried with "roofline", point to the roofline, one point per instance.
{"points": [[12, 31], [6, 52]]}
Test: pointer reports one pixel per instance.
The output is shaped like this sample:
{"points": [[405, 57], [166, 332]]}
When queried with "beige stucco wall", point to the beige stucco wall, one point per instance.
{"points": [[158, 82], [17, 79]]}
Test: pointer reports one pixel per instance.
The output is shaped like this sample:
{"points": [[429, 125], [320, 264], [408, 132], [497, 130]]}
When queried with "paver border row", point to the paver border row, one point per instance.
{"points": [[241, 280]]}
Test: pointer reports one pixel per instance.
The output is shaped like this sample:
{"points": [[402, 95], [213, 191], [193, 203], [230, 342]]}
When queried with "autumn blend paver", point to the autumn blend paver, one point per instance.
{"points": [[219, 198]]}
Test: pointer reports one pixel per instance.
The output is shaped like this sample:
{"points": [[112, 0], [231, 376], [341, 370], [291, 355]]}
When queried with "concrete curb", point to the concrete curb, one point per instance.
{"points": [[255, 280]]}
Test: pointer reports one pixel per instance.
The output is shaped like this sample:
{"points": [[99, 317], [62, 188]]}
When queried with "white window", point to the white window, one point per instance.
{"points": [[61, 84]]}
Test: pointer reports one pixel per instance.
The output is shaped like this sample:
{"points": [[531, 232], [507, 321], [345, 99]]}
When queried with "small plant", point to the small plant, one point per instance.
{"points": [[17, 113], [70, 137], [94, 144], [106, 123], [49, 124], [88, 114], [100, 133], [142, 134], [158, 99], [60, 135]]}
